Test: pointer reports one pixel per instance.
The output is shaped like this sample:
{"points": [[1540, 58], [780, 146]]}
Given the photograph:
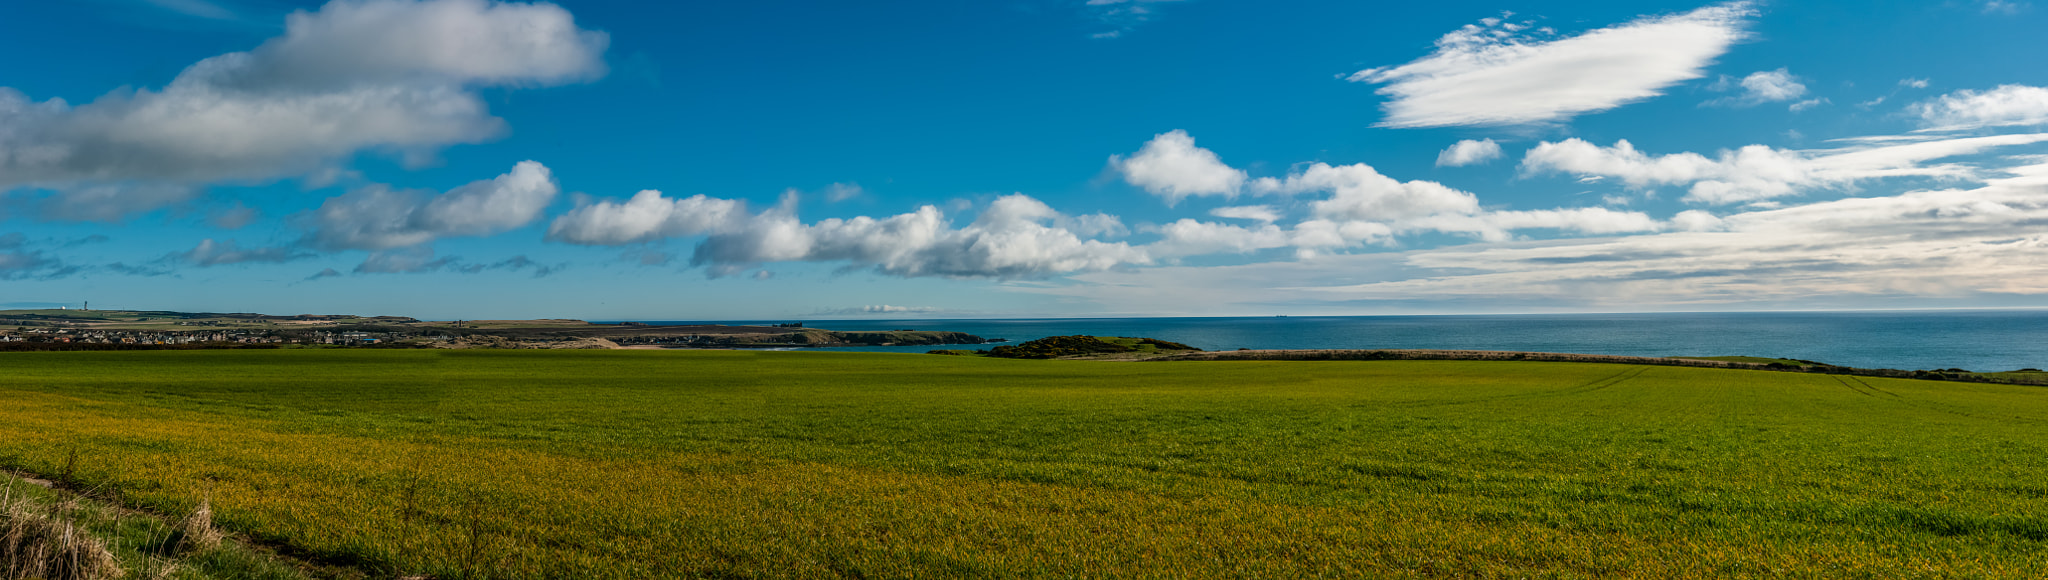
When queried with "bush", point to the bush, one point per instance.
{"points": [[1058, 346]]}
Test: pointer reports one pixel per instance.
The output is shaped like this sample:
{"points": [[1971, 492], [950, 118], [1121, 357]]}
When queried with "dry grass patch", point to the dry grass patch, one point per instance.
{"points": [[44, 544]]}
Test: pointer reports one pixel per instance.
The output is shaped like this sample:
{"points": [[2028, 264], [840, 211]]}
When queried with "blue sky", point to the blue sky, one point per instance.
{"points": [[607, 160]]}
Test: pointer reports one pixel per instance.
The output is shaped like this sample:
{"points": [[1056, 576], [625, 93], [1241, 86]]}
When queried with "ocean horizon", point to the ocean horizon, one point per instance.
{"points": [[1978, 340]]}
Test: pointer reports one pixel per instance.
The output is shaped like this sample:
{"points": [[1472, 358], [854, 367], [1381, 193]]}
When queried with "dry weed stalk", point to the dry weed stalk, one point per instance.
{"points": [[41, 545], [196, 533]]}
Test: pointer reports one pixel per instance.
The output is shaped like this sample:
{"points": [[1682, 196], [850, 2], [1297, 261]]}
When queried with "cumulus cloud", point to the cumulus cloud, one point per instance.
{"points": [[2005, 106], [1505, 73], [1758, 88], [1359, 192], [1362, 206], [1188, 237], [1015, 237], [1759, 172], [379, 218], [1257, 213], [1969, 246], [219, 253], [1172, 167], [646, 217], [1468, 152], [397, 75]]}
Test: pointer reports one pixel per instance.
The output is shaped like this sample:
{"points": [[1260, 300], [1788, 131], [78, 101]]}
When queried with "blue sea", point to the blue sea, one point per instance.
{"points": [[1979, 340]]}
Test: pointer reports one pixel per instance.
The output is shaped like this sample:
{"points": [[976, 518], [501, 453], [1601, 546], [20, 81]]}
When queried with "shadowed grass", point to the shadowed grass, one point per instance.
{"points": [[480, 464]]}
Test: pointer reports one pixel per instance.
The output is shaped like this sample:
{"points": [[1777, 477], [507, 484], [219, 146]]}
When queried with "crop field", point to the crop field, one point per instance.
{"points": [[645, 464]]}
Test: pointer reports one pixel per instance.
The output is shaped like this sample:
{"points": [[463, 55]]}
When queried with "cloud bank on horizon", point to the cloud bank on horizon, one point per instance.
{"points": [[1944, 197]]}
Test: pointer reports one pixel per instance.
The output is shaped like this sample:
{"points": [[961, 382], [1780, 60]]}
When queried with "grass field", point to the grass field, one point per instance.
{"points": [[636, 464]]}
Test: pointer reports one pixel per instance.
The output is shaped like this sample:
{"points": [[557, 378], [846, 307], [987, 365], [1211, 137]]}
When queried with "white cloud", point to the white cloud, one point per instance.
{"points": [[1359, 192], [1193, 238], [1468, 152], [379, 218], [2007, 105], [839, 192], [1172, 167], [1758, 88], [220, 253], [1758, 172], [1497, 225], [1974, 242], [1933, 248], [1913, 83], [1694, 220], [1094, 225], [1015, 237], [1257, 213], [2005, 7], [646, 217], [1807, 104], [1497, 75], [396, 75], [196, 8]]}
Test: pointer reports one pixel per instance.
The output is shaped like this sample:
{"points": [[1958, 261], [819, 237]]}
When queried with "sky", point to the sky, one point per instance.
{"points": [[474, 159]]}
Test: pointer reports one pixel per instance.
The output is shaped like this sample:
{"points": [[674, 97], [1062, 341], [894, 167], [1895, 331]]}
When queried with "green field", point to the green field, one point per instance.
{"points": [[645, 464]]}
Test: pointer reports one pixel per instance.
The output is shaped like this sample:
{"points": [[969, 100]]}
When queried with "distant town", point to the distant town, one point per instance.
{"points": [[86, 329], [81, 327]]}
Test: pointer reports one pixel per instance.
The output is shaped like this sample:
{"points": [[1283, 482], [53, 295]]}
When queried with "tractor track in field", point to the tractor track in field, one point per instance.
{"points": [[1617, 378]]}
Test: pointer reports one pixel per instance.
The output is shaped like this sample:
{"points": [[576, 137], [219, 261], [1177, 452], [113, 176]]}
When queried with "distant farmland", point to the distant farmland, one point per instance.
{"points": [[636, 464]]}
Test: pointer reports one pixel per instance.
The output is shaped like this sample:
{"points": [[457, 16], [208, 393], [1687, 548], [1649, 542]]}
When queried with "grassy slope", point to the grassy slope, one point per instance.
{"points": [[144, 545], [636, 464]]}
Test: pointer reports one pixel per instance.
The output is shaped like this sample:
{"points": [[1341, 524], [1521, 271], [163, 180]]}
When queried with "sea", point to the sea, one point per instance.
{"points": [[1977, 340]]}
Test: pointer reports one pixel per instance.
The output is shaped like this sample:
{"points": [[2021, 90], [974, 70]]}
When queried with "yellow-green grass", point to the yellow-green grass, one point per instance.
{"points": [[143, 545], [1751, 359], [637, 464]]}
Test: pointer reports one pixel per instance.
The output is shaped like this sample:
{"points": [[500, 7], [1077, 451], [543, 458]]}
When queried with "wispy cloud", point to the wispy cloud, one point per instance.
{"points": [[196, 8], [1508, 73], [422, 260], [1121, 15], [1759, 172], [1915, 249], [878, 309], [210, 252]]}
